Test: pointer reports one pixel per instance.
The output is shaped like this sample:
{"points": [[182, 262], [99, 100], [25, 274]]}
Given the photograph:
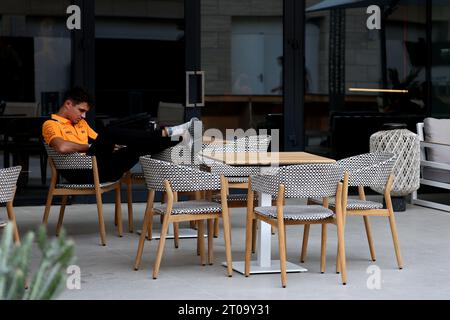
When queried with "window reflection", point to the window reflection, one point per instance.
{"points": [[440, 69]]}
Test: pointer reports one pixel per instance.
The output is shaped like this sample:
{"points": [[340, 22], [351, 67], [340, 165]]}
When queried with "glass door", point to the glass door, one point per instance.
{"points": [[242, 58], [140, 59]]}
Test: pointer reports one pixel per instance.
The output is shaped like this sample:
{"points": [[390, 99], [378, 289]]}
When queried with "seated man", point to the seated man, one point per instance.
{"points": [[117, 149]]}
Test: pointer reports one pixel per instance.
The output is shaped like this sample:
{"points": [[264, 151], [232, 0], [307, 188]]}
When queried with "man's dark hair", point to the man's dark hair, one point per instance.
{"points": [[79, 95]]}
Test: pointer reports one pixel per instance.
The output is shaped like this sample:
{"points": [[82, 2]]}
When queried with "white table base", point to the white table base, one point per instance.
{"points": [[274, 267]]}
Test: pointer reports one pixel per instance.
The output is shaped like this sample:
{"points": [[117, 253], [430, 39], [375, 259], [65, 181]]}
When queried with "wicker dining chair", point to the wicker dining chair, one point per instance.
{"points": [[237, 175], [8, 181], [173, 178], [366, 170], [137, 178], [76, 161], [299, 181]]}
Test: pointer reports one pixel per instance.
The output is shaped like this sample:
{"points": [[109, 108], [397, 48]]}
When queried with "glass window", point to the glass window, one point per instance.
{"points": [[406, 59], [35, 71], [35, 53], [242, 56], [360, 78]]}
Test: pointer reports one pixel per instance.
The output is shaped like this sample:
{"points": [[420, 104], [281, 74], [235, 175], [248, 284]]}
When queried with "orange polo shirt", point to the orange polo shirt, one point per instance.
{"points": [[63, 128]]}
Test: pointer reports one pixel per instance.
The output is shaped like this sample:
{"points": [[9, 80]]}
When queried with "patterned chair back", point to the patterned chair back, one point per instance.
{"points": [[232, 171], [8, 181], [180, 152], [301, 181], [69, 161], [259, 143], [182, 178], [369, 169]]}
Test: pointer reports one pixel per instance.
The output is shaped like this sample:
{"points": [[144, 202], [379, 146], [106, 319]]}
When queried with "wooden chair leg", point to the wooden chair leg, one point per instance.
{"points": [[254, 232], [201, 236], [395, 239], [216, 228], [149, 208], [130, 208], [210, 241], [323, 249], [101, 222], [176, 233], [227, 237], [118, 211], [249, 245], [198, 239], [162, 240], [48, 206], [163, 200], [148, 215], [150, 228], [282, 249], [369, 238], [338, 264], [12, 218], [192, 225], [341, 251], [305, 243], [61, 214], [229, 219]]}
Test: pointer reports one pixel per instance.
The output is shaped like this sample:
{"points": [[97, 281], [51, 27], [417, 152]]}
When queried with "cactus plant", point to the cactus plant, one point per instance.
{"points": [[49, 278]]}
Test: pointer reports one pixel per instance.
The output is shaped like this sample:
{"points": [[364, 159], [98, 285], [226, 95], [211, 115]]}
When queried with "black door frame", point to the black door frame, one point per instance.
{"points": [[83, 52], [293, 75], [192, 47]]}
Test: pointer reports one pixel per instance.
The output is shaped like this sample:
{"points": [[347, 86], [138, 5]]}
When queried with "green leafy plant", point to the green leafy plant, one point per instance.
{"points": [[49, 278]]}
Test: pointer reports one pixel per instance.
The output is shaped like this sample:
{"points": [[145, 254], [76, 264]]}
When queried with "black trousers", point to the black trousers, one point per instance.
{"points": [[113, 164]]}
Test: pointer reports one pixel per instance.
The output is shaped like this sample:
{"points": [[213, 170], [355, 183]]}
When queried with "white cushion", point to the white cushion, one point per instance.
{"points": [[438, 131], [436, 174], [297, 212], [352, 204], [190, 207]]}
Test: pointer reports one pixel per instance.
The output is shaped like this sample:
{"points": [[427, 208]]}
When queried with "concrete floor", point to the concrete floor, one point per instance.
{"points": [[107, 272]]}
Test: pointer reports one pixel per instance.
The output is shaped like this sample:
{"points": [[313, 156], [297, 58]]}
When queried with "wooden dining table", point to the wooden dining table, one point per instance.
{"points": [[266, 160]]}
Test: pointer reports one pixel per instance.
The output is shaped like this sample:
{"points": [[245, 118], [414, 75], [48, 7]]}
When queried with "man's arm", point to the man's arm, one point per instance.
{"points": [[63, 146]]}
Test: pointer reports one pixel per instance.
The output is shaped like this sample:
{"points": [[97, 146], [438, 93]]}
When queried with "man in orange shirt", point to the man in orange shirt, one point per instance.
{"points": [[117, 149]]}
